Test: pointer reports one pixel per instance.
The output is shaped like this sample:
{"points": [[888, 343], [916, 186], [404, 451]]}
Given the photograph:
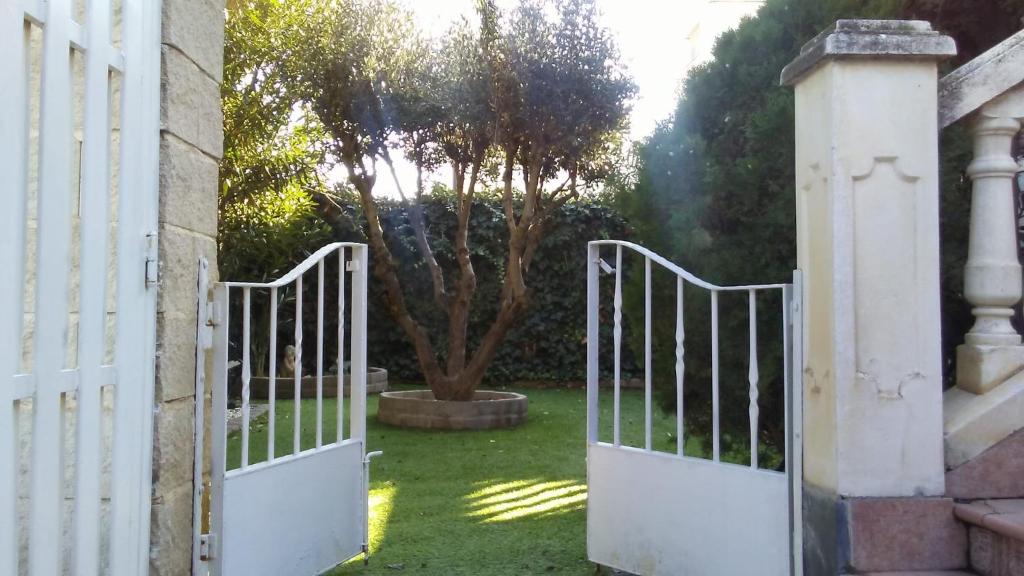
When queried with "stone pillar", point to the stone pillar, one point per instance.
{"points": [[992, 350], [190, 149], [868, 246]]}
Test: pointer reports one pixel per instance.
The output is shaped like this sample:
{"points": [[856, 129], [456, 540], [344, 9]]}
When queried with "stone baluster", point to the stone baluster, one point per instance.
{"points": [[992, 350]]}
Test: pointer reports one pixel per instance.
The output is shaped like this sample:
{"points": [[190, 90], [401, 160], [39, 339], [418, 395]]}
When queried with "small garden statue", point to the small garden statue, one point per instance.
{"points": [[288, 365]]}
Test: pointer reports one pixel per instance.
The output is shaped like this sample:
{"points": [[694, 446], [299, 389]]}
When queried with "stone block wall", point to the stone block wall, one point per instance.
{"points": [[190, 149]]}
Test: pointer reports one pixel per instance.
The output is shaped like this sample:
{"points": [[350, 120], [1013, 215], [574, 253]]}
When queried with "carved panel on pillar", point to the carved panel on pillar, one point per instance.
{"points": [[884, 244]]}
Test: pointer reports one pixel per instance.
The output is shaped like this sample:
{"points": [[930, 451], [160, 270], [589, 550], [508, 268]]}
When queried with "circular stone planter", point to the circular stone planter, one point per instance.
{"points": [[419, 409], [259, 386]]}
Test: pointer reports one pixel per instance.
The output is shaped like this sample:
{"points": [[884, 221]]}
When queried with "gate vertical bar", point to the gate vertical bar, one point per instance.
{"points": [[218, 427], [680, 368], [360, 270], [793, 379], [593, 343], [715, 432], [272, 388], [617, 336], [13, 164], [93, 274], [648, 441], [320, 354], [341, 345], [246, 370], [752, 377], [297, 398], [53, 261]]}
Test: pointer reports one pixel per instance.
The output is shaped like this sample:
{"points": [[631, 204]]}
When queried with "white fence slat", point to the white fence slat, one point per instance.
{"points": [[617, 337], [753, 377], [93, 274], [593, 340], [320, 355], [272, 377], [53, 261], [680, 367], [340, 416], [13, 165], [715, 432], [360, 271], [648, 333], [136, 307], [246, 371], [297, 403]]}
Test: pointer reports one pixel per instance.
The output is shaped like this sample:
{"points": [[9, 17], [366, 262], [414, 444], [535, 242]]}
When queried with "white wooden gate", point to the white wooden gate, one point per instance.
{"points": [[302, 508], [79, 141], [657, 513]]}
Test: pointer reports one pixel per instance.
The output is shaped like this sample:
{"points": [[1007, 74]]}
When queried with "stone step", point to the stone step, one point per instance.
{"points": [[996, 535]]}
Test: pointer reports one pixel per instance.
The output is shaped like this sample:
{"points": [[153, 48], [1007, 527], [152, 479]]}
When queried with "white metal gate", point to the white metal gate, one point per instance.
{"points": [[290, 508], [79, 140], [665, 513]]}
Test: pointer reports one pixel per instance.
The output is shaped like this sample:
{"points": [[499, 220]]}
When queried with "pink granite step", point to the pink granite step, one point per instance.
{"points": [[929, 573], [996, 534]]}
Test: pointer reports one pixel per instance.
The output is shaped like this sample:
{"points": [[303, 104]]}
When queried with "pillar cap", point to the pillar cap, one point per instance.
{"points": [[869, 38]]}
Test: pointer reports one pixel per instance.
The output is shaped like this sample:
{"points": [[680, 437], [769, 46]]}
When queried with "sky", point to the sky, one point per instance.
{"points": [[656, 43]]}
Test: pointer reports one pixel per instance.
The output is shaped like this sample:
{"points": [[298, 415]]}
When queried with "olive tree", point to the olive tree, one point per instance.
{"points": [[533, 100]]}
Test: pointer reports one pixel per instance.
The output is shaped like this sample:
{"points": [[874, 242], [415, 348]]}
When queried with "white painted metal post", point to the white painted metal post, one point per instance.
{"points": [[617, 337], [753, 376], [360, 271], [218, 428], [715, 432], [341, 345], [320, 354], [204, 342], [272, 377], [648, 334], [297, 379], [246, 371], [13, 165], [593, 340], [680, 368], [793, 331]]}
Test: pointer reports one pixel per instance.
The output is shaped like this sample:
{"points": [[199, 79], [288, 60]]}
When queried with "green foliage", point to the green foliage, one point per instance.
{"points": [[713, 189], [272, 152]]}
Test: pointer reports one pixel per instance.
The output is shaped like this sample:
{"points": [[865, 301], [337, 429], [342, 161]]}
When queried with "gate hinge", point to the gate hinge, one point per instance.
{"points": [[213, 315], [352, 266], [152, 262], [205, 545]]}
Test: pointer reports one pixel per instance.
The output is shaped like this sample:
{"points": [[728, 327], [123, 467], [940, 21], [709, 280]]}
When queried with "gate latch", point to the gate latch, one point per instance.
{"points": [[152, 263]]}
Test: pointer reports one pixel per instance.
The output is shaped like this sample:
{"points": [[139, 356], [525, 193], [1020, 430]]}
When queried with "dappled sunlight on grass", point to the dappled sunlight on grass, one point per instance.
{"points": [[381, 500], [526, 499]]}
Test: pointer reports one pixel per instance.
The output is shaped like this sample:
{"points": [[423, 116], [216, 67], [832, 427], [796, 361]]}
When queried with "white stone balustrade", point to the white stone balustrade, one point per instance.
{"points": [[987, 403], [992, 351]]}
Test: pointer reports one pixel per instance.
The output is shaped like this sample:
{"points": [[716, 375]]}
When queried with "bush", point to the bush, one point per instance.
{"points": [[714, 191]]}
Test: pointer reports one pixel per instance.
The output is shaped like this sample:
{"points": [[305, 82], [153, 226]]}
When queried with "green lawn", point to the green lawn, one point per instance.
{"points": [[477, 503]]}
